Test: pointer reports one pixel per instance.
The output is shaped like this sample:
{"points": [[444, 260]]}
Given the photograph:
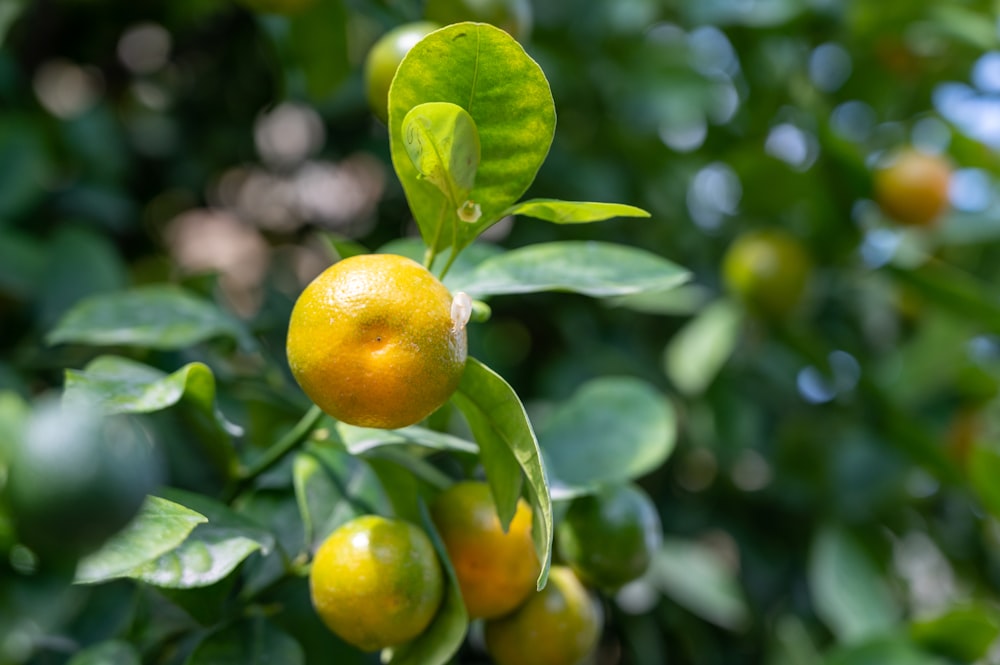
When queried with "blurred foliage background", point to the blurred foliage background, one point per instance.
{"points": [[834, 494]]}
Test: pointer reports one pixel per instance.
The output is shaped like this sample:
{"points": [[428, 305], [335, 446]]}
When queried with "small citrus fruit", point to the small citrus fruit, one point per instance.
{"points": [[383, 60], [512, 16], [373, 343], [912, 187], [559, 625], [768, 270], [608, 538], [376, 582], [496, 571]]}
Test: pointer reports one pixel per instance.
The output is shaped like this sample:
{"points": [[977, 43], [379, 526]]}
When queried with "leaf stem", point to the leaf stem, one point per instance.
{"points": [[277, 452]]}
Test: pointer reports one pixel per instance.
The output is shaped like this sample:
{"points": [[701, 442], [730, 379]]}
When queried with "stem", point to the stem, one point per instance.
{"points": [[451, 260], [275, 453]]}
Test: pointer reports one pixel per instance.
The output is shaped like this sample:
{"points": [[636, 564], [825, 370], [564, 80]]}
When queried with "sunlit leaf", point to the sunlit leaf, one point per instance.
{"points": [[963, 634], [443, 145], [700, 349], [574, 212]]}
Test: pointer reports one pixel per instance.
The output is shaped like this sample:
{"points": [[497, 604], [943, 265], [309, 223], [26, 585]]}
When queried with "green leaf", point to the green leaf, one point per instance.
{"points": [[848, 592], [248, 642], [684, 300], [984, 476], [120, 385], [611, 430], [701, 348], [486, 72], [210, 552], [697, 578], [317, 46], [159, 316], [443, 144], [597, 269], [159, 527], [445, 635], [891, 650], [359, 440], [506, 442], [573, 212], [113, 652], [954, 290], [964, 634]]}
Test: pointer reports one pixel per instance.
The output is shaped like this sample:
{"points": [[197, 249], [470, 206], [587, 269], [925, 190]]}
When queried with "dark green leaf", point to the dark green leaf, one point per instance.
{"points": [[249, 642], [486, 72], [848, 592], [506, 442], [700, 349], [160, 526], [984, 476], [317, 46], [955, 291], [112, 652], [964, 634], [573, 212], [158, 316], [595, 269], [891, 650], [697, 578], [611, 430]]}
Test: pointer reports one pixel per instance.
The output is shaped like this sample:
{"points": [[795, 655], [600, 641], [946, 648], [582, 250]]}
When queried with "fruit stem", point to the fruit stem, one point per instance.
{"points": [[275, 453]]}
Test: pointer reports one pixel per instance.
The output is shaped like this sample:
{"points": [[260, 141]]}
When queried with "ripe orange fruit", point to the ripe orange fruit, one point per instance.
{"points": [[559, 625], [609, 538], [376, 582], [373, 343], [768, 270], [912, 187], [496, 571], [383, 60]]}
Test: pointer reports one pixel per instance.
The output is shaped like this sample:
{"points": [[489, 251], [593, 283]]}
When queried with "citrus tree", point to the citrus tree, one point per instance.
{"points": [[322, 340]]}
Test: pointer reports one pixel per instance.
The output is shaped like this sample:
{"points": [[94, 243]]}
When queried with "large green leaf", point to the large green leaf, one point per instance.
{"points": [[210, 552], [486, 72], [120, 385], [611, 430], [892, 650], [964, 633], [105, 653], [159, 527], [573, 212], [253, 641], [697, 578], [597, 269], [159, 316], [437, 644], [700, 349], [507, 446], [848, 592]]}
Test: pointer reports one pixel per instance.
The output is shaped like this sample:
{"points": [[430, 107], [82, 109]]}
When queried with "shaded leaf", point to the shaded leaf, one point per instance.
{"points": [[159, 527], [573, 212], [964, 634], [158, 316], [317, 45], [486, 72], [893, 650], [253, 641], [111, 652], [848, 591], [701, 348], [611, 430], [597, 269], [695, 577], [506, 442]]}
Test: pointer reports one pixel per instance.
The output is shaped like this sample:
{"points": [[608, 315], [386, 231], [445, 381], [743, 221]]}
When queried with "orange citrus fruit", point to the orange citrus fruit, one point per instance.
{"points": [[496, 571], [559, 625], [768, 270], [376, 582], [373, 342], [912, 187]]}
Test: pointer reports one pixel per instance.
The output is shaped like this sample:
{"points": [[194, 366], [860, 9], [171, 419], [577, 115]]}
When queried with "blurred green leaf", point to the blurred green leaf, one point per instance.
{"points": [[22, 264], [596, 269], [984, 476], [439, 642], [611, 430], [252, 640], [698, 579], [848, 591], [157, 316], [573, 212], [360, 440], [966, 24], [210, 552], [112, 652], [701, 348], [160, 526], [27, 164], [683, 300], [486, 72], [964, 634], [507, 446], [317, 46], [954, 290], [881, 651]]}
